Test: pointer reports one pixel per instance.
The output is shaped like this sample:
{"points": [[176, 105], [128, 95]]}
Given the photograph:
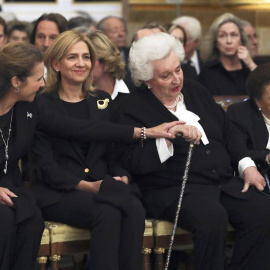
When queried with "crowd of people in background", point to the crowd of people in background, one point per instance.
{"points": [[98, 122]]}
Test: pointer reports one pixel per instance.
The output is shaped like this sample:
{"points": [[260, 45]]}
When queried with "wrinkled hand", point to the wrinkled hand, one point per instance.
{"points": [[5, 195], [189, 133], [244, 55], [162, 131], [253, 178], [124, 179]]}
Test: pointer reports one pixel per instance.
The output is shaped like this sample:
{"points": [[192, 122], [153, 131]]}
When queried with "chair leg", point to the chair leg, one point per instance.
{"points": [[159, 258], [42, 262], [54, 262], [146, 258]]}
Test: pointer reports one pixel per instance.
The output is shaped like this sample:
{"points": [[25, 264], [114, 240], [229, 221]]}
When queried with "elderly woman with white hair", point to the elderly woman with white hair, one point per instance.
{"points": [[228, 61], [213, 196]]}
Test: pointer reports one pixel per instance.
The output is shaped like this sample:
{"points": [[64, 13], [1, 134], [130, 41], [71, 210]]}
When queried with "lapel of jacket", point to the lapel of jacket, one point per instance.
{"points": [[25, 122], [59, 107]]}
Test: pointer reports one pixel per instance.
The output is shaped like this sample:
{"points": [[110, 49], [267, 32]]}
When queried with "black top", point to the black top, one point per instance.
{"points": [[221, 82], [78, 110]]}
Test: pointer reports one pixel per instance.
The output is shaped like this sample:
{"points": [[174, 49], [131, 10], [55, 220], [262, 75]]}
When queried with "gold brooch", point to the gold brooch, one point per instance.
{"points": [[103, 103]]}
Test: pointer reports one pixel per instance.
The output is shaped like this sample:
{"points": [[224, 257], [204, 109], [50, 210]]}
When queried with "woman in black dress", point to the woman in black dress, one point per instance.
{"points": [[82, 184], [21, 226]]}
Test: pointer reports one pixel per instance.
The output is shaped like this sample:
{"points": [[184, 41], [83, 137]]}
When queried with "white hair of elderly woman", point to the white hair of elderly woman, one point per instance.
{"points": [[150, 48]]}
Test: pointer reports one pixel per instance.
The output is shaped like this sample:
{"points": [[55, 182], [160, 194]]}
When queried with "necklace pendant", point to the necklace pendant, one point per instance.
{"points": [[5, 169]]}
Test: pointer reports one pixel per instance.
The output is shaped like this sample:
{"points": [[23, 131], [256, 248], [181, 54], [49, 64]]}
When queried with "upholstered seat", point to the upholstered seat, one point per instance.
{"points": [[68, 240], [44, 249]]}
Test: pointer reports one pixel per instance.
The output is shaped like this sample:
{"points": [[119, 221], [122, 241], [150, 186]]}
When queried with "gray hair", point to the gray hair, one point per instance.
{"points": [[150, 48], [209, 50], [191, 25]]}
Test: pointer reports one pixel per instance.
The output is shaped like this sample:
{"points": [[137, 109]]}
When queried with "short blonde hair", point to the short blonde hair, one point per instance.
{"points": [[108, 53], [57, 50]]}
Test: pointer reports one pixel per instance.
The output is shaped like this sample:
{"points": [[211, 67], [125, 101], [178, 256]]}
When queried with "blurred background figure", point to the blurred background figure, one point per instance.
{"points": [[109, 68], [252, 38], [148, 29], [254, 44], [46, 29], [82, 23], [115, 28], [193, 31], [18, 31], [3, 32], [228, 61], [179, 33]]}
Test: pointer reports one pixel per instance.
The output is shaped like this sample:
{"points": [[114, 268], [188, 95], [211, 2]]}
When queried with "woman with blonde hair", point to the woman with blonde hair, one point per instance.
{"points": [[228, 61], [109, 70], [79, 183]]}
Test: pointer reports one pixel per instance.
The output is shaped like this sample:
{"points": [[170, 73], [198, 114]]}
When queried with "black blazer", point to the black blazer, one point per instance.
{"points": [[247, 117], [61, 163], [210, 165], [24, 128]]}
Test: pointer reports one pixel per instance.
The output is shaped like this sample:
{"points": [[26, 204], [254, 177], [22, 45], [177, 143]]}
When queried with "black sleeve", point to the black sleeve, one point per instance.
{"points": [[56, 125]]}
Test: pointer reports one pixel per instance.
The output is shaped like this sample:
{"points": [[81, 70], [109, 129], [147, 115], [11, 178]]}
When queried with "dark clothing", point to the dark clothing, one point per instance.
{"points": [[128, 80], [212, 196], [248, 118], [221, 82], [261, 59], [189, 71], [110, 213], [20, 228]]}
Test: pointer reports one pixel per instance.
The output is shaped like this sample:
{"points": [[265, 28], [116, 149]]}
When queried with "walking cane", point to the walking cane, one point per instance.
{"points": [[185, 178]]}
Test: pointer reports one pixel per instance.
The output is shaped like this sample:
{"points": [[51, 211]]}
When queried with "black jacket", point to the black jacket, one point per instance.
{"points": [[247, 117], [210, 165], [61, 163]]}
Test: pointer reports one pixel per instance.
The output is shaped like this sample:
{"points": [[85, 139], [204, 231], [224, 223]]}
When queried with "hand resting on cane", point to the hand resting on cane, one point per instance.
{"points": [[188, 132]]}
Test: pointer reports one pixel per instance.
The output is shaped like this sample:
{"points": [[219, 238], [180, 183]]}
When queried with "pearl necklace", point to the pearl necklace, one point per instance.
{"points": [[6, 142], [177, 100]]}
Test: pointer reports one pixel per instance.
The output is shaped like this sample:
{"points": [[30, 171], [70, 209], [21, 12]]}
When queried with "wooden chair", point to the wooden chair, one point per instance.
{"points": [[44, 250], [226, 101], [68, 240], [182, 241]]}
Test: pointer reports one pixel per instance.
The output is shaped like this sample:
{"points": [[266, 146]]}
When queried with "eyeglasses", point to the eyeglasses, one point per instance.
{"points": [[224, 36]]}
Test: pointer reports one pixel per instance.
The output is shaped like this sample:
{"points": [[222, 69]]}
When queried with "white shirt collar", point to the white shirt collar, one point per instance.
{"points": [[195, 61], [119, 87]]}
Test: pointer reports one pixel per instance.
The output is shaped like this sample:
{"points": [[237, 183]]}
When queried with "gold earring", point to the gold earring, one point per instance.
{"points": [[103, 103]]}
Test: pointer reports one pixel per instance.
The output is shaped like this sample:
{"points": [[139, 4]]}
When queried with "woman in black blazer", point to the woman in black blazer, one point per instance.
{"points": [[252, 118], [21, 226], [213, 196], [83, 184]]}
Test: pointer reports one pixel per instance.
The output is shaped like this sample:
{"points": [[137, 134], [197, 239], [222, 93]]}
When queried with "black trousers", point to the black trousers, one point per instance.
{"points": [[116, 239], [207, 213], [19, 243]]}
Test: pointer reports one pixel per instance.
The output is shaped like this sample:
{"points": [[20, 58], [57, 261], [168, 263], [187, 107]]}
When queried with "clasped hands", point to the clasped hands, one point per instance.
{"points": [[188, 132]]}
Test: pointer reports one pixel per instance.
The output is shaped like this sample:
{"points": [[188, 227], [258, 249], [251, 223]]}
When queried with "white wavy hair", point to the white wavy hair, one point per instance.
{"points": [[150, 48], [191, 25]]}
